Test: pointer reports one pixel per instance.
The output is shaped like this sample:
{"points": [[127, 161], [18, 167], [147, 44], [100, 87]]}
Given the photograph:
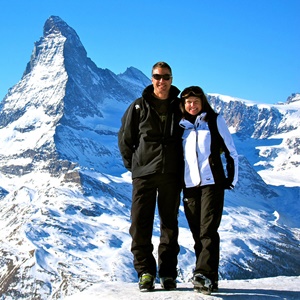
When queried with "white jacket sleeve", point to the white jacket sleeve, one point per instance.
{"points": [[228, 140]]}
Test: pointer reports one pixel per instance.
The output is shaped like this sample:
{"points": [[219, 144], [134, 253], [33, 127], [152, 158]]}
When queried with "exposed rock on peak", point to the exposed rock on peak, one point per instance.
{"points": [[293, 98], [55, 25]]}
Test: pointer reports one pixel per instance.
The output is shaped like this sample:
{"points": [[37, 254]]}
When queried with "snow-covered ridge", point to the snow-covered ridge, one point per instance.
{"points": [[292, 102]]}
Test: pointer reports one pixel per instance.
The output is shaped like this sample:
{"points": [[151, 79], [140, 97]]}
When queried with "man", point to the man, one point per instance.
{"points": [[150, 145]]}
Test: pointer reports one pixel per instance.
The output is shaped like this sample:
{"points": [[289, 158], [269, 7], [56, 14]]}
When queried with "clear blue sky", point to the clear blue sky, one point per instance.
{"points": [[243, 48]]}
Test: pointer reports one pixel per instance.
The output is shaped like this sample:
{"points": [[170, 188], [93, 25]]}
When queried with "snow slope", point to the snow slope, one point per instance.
{"points": [[274, 288]]}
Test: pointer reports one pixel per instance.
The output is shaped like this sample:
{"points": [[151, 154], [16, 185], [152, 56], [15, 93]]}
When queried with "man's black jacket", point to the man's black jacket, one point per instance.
{"points": [[146, 146]]}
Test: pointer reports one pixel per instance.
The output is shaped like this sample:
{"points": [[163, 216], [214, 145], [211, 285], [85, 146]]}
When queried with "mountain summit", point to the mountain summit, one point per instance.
{"points": [[65, 196], [64, 94]]}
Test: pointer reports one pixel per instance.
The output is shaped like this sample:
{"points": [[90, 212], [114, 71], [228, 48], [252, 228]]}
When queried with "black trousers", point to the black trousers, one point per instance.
{"points": [[165, 190], [203, 209]]}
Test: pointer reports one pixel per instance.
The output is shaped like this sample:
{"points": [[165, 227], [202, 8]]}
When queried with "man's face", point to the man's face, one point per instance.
{"points": [[161, 85]]}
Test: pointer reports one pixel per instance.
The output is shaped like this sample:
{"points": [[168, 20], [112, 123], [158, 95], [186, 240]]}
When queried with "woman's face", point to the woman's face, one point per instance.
{"points": [[193, 105]]}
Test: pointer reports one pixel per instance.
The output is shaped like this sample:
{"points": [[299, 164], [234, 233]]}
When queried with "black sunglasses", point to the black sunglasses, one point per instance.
{"points": [[164, 76]]}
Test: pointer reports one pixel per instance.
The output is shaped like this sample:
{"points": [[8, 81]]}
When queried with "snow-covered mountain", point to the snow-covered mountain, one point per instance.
{"points": [[65, 195], [272, 133]]}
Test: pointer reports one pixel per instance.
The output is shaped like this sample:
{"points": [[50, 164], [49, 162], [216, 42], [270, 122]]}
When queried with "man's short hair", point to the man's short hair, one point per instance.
{"points": [[162, 64]]}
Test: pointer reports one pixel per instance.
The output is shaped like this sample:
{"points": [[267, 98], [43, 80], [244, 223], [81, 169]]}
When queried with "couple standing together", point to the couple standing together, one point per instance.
{"points": [[173, 144]]}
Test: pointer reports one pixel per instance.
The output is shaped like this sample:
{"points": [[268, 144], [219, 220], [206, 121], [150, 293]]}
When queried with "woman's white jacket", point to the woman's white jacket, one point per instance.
{"points": [[198, 160]]}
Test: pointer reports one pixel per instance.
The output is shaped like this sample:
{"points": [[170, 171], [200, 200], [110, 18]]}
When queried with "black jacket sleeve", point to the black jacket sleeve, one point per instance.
{"points": [[128, 135]]}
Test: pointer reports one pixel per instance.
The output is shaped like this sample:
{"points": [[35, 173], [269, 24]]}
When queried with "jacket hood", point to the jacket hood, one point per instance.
{"points": [[174, 92]]}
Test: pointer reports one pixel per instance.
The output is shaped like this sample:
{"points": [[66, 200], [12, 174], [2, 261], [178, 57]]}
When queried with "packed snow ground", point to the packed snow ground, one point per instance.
{"points": [[287, 288]]}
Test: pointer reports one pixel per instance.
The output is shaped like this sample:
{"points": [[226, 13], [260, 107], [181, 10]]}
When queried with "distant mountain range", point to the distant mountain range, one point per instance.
{"points": [[65, 196]]}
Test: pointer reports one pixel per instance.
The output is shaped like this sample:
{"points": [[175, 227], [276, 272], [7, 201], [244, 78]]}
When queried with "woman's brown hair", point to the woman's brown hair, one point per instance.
{"points": [[196, 91]]}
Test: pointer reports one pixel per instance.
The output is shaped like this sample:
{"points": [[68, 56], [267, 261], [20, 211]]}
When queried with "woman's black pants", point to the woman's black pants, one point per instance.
{"points": [[203, 209]]}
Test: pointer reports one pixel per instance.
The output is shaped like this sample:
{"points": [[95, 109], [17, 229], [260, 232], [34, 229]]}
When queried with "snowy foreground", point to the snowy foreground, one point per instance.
{"points": [[262, 289]]}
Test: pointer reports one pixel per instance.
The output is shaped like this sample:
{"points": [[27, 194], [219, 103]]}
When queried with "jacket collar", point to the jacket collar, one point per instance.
{"points": [[188, 125], [148, 91]]}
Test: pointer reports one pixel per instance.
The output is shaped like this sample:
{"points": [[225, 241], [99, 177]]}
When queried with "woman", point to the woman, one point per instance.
{"points": [[206, 137]]}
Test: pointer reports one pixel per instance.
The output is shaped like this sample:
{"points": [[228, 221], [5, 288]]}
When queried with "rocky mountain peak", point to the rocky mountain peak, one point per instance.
{"points": [[56, 25], [64, 101], [57, 35], [295, 97]]}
